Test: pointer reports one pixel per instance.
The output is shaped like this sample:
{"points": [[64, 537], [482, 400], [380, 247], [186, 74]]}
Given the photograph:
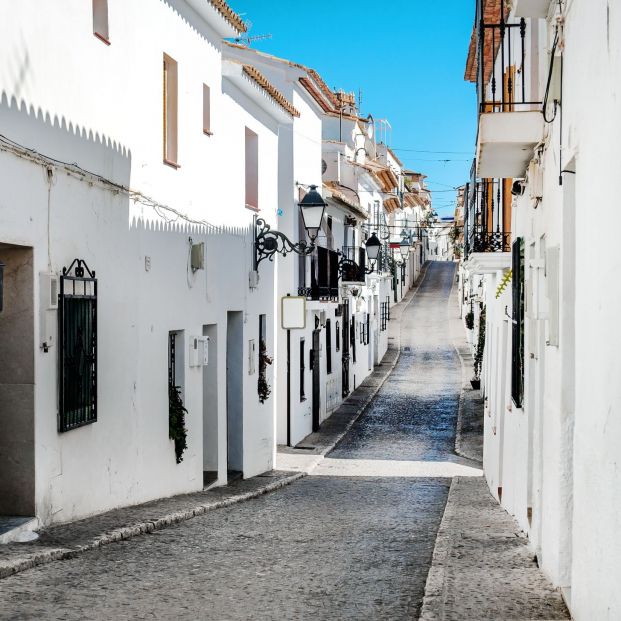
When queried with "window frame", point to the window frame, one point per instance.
{"points": [[302, 370], [170, 112], [328, 347], [207, 110], [101, 20]]}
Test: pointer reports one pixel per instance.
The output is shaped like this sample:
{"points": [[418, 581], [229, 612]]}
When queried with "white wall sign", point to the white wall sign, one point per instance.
{"points": [[293, 314]]}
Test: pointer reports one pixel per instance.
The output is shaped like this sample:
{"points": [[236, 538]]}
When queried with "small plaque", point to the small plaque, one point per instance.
{"points": [[293, 315]]}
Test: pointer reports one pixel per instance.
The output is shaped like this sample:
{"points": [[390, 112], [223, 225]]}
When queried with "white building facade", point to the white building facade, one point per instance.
{"points": [[142, 352], [545, 160]]}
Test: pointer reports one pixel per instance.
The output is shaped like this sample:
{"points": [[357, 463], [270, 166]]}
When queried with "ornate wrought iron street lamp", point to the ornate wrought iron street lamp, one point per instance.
{"points": [[268, 242], [373, 245], [404, 248]]}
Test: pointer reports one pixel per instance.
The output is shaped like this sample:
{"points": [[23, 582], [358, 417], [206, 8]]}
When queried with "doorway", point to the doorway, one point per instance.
{"points": [[345, 352], [316, 370], [234, 395], [17, 410], [210, 406]]}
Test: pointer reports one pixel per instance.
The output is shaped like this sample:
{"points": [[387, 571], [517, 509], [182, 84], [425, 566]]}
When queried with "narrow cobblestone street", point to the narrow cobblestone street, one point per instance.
{"points": [[353, 541]]}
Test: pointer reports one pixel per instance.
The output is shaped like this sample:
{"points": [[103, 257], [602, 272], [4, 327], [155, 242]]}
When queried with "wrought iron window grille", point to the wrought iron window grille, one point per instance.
{"points": [[77, 338]]}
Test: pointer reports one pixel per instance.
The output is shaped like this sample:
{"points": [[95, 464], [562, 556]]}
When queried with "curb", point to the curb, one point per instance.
{"points": [[434, 585], [460, 407], [140, 528], [373, 394], [15, 566]]}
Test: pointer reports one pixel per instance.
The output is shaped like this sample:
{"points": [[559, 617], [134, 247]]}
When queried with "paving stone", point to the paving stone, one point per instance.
{"points": [[343, 543]]}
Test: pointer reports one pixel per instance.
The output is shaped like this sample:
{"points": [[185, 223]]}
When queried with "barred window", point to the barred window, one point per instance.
{"points": [[77, 331]]}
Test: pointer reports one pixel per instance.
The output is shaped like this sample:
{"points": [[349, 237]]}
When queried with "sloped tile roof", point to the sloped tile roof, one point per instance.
{"points": [[229, 15], [254, 74]]}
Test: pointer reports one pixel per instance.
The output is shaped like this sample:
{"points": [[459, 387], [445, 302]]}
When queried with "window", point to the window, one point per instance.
{"points": [[176, 374], [206, 110], [170, 111], [329, 346], [517, 340], [383, 316], [329, 233], [77, 338], [302, 371], [338, 337], [263, 387], [302, 259], [252, 170], [100, 20]]}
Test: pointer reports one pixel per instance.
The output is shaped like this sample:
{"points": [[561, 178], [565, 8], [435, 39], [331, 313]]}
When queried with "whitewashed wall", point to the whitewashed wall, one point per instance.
{"points": [[557, 457], [110, 122]]}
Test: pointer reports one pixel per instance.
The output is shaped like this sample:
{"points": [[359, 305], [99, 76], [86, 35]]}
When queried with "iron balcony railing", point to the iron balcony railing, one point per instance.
{"points": [[354, 264], [502, 81], [324, 276], [487, 217]]}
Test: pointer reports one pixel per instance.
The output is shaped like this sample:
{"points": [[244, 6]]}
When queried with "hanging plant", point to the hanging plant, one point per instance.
{"points": [[478, 356], [263, 388], [176, 421], [470, 320]]}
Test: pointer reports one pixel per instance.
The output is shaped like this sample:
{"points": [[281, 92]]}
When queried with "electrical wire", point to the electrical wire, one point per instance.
{"points": [[549, 83], [76, 171], [436, 152]]}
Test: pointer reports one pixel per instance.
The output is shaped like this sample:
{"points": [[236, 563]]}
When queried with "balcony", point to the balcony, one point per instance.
{"points": [[510, 122], [532, 8], [354, 265], [324, 277], [487, 222]]}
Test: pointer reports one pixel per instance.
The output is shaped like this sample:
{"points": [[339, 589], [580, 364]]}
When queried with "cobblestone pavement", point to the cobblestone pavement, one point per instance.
{"points": [[353, 541], [482, 567], [325, 547]]}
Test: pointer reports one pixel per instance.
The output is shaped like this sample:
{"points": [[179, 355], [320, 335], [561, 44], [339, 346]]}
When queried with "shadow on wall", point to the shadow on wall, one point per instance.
{"points": [[61, 139]]}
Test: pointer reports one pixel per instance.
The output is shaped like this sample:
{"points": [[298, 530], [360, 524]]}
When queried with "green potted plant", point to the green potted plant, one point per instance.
{"points": [[470, 320], [478, 356], [263, 388], [177, 431]]}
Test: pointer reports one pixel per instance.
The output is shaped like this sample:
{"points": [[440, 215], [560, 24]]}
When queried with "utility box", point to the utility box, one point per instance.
{"points": [[48, 304], [197, 259], [199, 351]]}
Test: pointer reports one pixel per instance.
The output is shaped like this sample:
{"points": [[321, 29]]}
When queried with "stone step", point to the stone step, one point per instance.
{"points": [[13, 529]]}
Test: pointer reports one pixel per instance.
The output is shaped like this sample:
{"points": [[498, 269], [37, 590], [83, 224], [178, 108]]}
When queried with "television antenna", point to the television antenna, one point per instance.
{"points": [[248, 39]]}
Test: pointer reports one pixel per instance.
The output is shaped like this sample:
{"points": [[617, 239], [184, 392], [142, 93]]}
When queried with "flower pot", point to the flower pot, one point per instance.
{"points": [[475, 383]]}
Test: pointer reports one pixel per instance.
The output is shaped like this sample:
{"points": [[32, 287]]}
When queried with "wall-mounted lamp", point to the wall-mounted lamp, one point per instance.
{"points": [[267, 242], [373, 245], [404, 248]]}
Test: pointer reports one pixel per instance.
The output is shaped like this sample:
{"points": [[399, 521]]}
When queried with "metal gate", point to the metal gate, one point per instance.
{"points": [[77, 339]]}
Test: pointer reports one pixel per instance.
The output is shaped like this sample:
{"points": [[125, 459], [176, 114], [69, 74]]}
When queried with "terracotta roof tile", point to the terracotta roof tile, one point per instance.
{"points": [[229, 15], [391, 204], [254, 74]]}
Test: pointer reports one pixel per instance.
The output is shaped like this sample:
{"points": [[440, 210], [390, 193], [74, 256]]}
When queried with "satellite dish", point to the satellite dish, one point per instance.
{"points": [[324, 167]]}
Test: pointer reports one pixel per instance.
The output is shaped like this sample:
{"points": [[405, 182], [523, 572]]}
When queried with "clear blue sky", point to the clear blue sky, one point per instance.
{"points": [[407, 57]]}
